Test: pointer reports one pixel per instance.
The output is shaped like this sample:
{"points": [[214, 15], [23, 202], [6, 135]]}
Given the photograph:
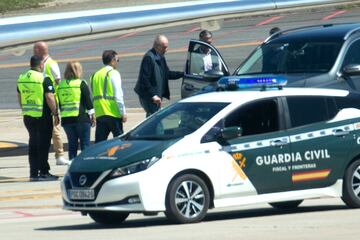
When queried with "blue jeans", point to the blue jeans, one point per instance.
{"points": [[75, 132]]}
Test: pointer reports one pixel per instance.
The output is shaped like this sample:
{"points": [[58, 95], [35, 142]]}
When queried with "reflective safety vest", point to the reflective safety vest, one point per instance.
{"points": [[69, 94], [30, 85], [103, 94], [47, 70], [48, 73]]}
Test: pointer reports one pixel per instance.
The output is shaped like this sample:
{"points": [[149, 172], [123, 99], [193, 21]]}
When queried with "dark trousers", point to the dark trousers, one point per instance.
{"points": [[75, 132], [40, 132], [148, 106], [105, 125]]}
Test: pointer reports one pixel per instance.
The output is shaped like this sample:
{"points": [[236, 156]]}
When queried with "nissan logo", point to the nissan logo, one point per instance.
{"points": [[82, 180]]}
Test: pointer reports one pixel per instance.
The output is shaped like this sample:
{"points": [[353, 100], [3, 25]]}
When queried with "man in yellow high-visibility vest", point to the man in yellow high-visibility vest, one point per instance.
{"points": [[108, 98], [52, 70], [36, 98]]}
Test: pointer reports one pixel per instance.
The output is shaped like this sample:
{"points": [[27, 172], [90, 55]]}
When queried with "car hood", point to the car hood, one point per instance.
{"points": [[296, 79], [117, 153]]}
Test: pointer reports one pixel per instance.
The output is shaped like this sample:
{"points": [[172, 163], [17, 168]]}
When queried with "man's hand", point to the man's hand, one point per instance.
{"points": [[93, 120], [124, 118], [157, 100], [56, 119]]}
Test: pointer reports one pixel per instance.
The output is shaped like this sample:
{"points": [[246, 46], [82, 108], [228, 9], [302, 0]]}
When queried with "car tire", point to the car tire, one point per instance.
{"points": [[106, 217], [286, 205], [187, 199], [351, 185]]}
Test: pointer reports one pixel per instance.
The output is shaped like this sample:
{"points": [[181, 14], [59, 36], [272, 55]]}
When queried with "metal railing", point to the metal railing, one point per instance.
{"points": [[23, 31]]}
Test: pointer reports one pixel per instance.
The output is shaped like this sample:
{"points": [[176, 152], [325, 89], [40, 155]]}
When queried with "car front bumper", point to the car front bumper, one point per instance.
{"points": [[132, 193]]}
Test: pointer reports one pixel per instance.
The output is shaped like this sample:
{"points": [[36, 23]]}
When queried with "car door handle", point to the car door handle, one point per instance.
{"points": [[189, 87], [340, 132], [278, 143]]}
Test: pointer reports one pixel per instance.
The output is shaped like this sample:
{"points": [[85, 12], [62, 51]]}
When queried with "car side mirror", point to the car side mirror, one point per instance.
{"points": [[213, 75], [231, 132], [351, 70]]}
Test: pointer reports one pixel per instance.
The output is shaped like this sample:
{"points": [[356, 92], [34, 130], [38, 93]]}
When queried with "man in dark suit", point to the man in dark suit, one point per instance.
{"points": [[153, 81]]}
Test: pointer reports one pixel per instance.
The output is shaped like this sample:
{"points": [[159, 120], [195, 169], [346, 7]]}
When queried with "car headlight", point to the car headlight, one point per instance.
{"points": [[134, 168]]}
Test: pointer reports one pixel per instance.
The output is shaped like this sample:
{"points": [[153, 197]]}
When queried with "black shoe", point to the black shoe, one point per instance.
{"points": [[34, 179], [47, 177]]}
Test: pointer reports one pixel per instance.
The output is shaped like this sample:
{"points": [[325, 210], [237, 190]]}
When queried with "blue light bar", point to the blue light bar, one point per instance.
{"points": [[233, 83]]}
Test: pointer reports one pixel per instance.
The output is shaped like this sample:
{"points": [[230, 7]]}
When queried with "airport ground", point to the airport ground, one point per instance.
{"points": [[31, 210]]}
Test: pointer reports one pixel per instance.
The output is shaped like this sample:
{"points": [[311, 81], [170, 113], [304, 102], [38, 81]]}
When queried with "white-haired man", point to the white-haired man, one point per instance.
{"points": [[153, 81]]}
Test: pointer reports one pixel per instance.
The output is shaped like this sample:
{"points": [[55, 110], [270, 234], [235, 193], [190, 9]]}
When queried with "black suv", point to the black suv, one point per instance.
{"points": [[325, 56]]}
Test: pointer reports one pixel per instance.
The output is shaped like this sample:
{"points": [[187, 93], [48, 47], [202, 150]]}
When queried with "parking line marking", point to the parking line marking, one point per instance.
{"points": [[23, 179], [7, 145], [24, 214], [135, 54], [337, 13], [94, 45], [268, 21], [32, 207], [12, 180], [36, 190], [30, 196], [194, 29]]}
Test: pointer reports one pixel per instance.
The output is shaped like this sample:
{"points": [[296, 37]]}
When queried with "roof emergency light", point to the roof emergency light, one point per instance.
{"points": [[235, 83]]}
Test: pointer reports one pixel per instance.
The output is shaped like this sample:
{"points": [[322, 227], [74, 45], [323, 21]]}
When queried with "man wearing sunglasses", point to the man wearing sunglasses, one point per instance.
{"points": [[108, 98]]}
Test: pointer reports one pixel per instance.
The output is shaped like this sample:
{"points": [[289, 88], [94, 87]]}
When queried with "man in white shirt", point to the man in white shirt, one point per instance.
{"points": [[203, 59], [52, 70], [108, 98], [210, 61]]}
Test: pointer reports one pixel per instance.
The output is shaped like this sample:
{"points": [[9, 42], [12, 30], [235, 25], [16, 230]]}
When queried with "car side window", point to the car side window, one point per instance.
{"points": [[310, 109], [353, 54], [254, 118]]}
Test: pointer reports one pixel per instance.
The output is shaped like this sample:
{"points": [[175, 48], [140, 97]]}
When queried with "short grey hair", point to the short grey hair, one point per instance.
{"points": [[159, 39]]}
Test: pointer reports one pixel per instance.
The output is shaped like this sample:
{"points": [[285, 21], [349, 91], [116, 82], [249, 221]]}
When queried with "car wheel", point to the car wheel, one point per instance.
{"points": [[187, 199], [286, 205], [351, 185], [106, 217]]}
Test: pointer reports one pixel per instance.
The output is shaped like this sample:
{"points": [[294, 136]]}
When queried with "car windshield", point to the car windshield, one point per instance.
{"points": [[175, 121], [297, 57]]}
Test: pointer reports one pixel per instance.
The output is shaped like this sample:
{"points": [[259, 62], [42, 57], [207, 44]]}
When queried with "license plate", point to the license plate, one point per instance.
{"points": [[83, 194]]}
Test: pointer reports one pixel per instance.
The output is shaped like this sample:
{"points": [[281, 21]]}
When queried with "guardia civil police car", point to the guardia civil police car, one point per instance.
{"points": [[219, 149]]}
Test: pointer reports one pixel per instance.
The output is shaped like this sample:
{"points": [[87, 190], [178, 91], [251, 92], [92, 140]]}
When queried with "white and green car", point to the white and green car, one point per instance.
{"points": [[224, 149]]}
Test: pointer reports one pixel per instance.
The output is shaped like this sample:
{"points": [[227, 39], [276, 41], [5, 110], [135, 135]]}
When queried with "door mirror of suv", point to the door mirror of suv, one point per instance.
{"points": [[231, 132], [351, 70], [213, 75]]}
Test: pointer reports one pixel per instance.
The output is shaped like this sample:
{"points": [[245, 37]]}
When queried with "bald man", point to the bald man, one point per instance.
{"points": [[153, 81], [52, 70]]}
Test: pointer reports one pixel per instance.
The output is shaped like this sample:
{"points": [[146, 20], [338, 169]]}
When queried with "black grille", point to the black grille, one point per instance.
{"points": [[91, 178]]}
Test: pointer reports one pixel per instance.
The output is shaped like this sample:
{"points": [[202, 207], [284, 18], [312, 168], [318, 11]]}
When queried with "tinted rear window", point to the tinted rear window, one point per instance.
{"points": [[292, 57], [309, 110]]}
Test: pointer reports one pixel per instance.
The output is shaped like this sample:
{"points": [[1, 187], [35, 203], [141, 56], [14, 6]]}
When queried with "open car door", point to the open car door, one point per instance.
{"points": [[204, 66]]}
